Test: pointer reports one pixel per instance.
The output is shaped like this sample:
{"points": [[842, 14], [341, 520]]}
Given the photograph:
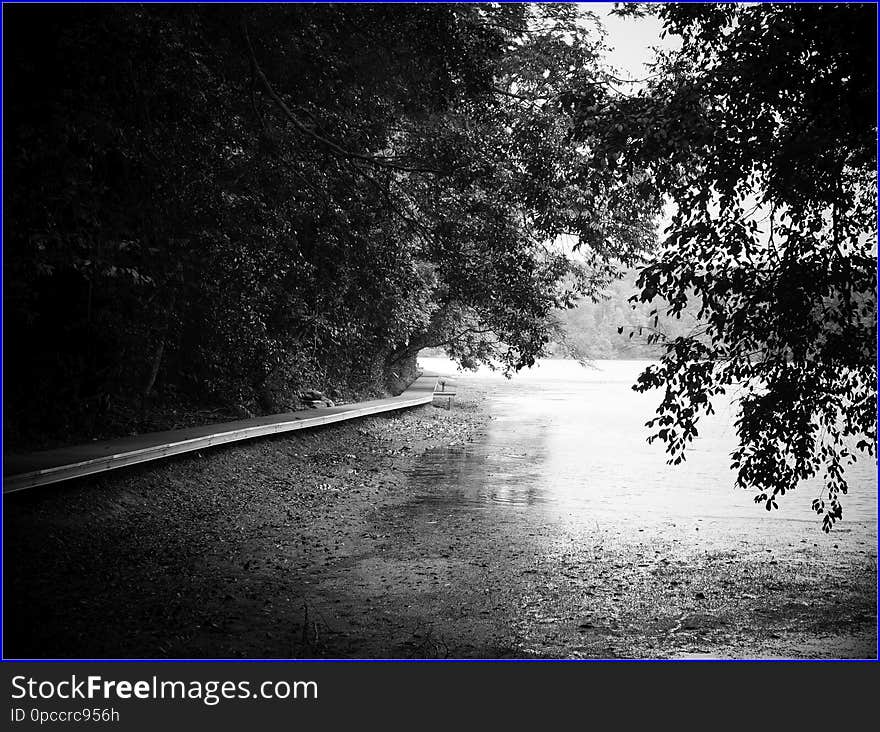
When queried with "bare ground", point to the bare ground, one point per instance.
{"points": [[312, 546]]}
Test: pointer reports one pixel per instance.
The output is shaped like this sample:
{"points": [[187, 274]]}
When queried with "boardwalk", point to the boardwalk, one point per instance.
{"points": [[21, 472]]}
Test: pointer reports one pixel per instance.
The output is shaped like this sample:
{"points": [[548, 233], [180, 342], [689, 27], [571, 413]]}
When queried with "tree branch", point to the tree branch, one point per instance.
{"points": [[380, 161]]}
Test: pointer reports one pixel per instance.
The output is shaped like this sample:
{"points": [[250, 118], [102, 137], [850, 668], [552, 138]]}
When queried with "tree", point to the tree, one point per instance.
{"points": [[250, 200], [761, 133], [499, 231]]}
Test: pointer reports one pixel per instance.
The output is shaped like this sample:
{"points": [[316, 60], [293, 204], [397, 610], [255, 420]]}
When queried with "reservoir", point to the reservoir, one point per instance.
{"points": [[569, 441]]}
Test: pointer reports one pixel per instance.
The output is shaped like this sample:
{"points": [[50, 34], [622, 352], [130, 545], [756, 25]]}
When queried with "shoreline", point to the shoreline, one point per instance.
{"points": [[314, 545], [144, 553]]}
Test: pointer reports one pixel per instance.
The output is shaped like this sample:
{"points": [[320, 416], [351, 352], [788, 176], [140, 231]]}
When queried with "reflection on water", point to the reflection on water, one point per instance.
{"points": [[571, 440]]}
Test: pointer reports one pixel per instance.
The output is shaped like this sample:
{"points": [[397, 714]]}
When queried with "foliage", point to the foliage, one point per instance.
{"points": [[761, 131], [612, 327], [229, 204]]}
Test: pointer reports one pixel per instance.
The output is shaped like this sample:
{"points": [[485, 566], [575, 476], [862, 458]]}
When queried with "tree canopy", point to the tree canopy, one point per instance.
{"points": [[228, 204], [761, 133]]}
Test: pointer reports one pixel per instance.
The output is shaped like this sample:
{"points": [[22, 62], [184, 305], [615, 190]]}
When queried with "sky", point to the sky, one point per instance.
{"points": [[630, 38]]}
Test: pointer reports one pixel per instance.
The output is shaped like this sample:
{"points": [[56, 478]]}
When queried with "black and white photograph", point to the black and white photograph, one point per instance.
{"points": [[437, 331]]}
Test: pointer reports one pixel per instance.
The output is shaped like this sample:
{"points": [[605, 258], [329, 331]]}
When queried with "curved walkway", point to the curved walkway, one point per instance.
{"points": [[21, 472]]}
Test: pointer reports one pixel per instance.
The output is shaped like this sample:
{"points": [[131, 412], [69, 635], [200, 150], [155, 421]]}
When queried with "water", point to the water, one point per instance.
{"points": [[569, 442]]}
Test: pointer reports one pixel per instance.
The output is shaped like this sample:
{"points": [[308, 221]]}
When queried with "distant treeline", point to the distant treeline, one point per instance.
{"points": [[614, 327], [621, 326]]}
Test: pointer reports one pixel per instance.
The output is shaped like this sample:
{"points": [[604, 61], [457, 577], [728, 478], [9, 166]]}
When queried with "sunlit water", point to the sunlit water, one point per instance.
{"points": [[569, 440]]}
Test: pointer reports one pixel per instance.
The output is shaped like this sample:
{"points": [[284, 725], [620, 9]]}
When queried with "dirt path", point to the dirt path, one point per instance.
{"points": [[314, 546]]}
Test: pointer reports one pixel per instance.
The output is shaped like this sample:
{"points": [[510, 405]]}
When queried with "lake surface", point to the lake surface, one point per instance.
{"points": [[569, 441]]}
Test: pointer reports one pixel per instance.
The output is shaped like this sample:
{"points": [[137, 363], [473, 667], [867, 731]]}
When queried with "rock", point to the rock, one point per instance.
{"points": [[242, 412], [268, 401], [700, 621]]}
